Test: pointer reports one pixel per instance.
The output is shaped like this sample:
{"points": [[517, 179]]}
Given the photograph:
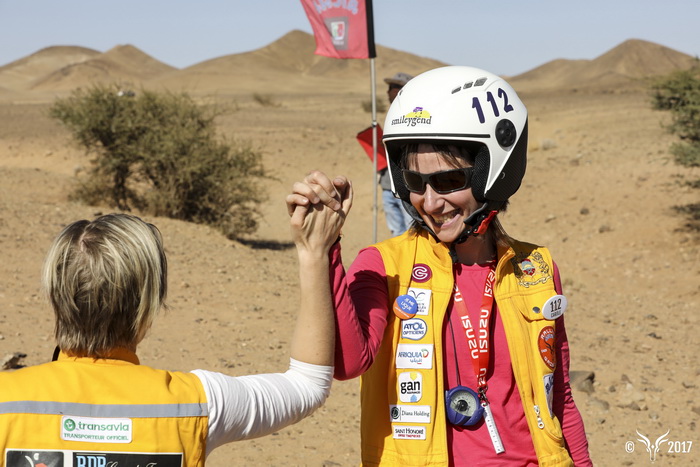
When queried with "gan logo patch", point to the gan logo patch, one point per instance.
{"points": [[410, 386]]}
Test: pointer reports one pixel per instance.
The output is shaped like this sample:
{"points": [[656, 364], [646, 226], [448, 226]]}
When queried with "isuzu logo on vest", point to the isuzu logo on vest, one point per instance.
{"points": [[414, 356]]}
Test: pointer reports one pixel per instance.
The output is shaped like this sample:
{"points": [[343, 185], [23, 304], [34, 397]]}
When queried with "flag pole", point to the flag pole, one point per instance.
{"points": [[374, 148]]}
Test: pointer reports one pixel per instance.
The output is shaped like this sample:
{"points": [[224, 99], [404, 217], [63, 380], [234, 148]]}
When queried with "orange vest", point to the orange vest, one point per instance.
{"points": [[102, 412]]}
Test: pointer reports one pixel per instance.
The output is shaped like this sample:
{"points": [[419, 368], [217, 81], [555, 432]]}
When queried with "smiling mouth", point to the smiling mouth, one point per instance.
{"points": [[444, 218]]}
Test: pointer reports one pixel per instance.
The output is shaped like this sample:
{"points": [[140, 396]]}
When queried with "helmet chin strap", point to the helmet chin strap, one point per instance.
{"points": [[476, 224]]}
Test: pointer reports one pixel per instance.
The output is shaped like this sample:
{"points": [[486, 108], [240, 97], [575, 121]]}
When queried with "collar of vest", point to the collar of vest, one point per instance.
{"points": [[118, 355]]}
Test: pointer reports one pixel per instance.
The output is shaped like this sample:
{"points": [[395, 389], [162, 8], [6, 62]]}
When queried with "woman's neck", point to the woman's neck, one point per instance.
{"points": [[476, 250]]}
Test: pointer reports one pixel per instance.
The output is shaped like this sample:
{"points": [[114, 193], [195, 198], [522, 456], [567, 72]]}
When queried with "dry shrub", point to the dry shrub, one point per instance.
{"points": [[159, 153]]}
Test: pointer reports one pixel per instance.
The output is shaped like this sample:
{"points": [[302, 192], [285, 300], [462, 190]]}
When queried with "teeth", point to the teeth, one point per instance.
{"points": [[444, 218]]}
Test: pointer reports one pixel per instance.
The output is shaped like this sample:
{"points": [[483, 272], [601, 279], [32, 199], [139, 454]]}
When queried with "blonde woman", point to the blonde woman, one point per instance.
{"points": [[95, 404]]}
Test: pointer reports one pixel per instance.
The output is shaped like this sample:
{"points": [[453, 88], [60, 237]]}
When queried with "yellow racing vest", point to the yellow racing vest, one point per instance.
{"points": [[102, 412], [396, 431]]}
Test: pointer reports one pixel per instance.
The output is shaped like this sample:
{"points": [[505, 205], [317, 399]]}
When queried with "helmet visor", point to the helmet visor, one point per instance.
{"points": [[446, 181]]}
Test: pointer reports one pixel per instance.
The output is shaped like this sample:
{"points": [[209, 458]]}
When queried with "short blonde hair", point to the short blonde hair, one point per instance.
{"points": [[106, 280]]}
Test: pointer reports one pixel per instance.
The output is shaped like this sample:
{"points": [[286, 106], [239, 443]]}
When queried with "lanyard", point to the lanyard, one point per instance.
{"points": [[478, 340]]}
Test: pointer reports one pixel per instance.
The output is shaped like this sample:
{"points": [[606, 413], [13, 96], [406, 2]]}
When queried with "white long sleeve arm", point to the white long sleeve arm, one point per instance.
{"points": [[245, 407]]}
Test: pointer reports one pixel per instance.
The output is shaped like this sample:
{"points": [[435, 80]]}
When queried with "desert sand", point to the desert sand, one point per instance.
{"points": [[599, 192]]}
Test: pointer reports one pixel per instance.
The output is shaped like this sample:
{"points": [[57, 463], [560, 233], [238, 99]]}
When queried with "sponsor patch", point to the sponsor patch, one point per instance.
{"points": [[414, 356], [96, 430], [65, 458], [419, 116], [548, 381], [410, 413], [34, 458], [545, 342], [422, 297], [410, 386], [421, 273], [414, 329], [408, 432]]}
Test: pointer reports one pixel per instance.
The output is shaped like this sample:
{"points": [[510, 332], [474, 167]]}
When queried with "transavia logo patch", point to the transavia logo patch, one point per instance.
{"points": [[96, 430], [419, 116], [531, 270]]}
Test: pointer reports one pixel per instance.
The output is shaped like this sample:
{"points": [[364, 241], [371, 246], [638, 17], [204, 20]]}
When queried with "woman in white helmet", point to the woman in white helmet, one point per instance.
{"points": [[455, 327]]}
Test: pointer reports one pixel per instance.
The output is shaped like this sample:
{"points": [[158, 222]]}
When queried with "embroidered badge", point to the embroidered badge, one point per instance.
{"points": [[531, 270], [421, 273], [545, 342]]}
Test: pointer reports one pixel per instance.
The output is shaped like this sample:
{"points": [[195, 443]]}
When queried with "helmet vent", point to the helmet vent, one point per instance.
{"points": [[469, 84], [505, 133], [480, 81], [457, 89]]}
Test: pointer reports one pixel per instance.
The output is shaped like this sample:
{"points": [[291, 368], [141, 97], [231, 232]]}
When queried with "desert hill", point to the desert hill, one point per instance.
{"points": [[290, 62], [22, 73], [626, 65], [123, 64], [292, 57]]}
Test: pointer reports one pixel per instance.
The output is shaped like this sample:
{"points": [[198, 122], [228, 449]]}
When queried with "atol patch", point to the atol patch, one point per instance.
{"points": [[545, 342], [421, 273]]}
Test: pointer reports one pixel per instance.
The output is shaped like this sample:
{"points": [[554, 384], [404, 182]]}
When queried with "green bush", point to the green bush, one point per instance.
{"points": [[679, 93], [158, 152]]}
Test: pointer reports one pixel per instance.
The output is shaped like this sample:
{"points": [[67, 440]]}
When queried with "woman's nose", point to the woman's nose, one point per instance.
{"points": [[432, 200]]}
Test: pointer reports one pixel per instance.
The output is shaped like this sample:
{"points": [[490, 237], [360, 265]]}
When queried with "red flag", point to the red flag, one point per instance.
{"points": [[342, 28], [365, 139]]}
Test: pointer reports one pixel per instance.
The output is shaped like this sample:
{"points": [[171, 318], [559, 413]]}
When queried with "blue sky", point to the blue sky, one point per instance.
{"points": [[507, 37]]}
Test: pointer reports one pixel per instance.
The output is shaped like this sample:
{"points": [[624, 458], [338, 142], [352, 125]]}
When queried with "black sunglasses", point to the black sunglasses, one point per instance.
{"points": [[442, 182]]}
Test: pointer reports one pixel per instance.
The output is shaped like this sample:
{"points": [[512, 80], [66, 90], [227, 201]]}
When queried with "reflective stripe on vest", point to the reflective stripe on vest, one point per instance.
{"points": [[105, 410]]}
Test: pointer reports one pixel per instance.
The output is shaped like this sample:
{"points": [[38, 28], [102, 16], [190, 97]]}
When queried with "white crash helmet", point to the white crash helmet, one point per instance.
{"points": [[461, 105]]}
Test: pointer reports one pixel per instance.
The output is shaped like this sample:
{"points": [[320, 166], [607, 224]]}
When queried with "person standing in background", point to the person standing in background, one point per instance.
{"points": [[397, 218]]}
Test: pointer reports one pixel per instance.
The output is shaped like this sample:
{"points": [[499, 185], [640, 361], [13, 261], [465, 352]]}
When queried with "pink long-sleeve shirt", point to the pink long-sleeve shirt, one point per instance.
{"points": [[361, 299]]}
